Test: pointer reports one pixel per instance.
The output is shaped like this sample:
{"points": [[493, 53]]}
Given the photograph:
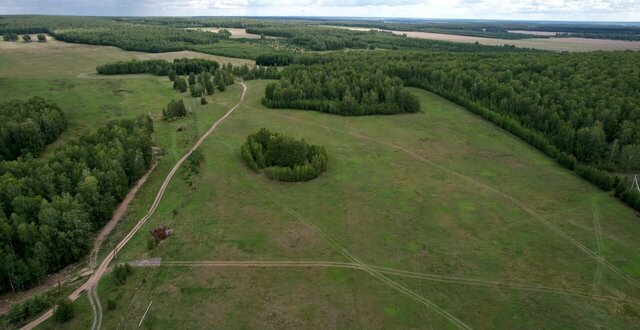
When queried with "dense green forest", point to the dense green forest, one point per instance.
{"points": [[566, 105], [50, 208], [282, 157], [26, 127], [109, 32], [347, 90], [182, 66]]}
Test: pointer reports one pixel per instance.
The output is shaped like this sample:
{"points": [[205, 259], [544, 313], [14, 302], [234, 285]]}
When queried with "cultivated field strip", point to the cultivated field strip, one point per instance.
{"points": [[365, 267], [385, 270], [513, 200]]}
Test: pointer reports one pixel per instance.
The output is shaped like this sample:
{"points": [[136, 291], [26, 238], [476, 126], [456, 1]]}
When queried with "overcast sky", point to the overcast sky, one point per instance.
{"points": [[599, 10]]}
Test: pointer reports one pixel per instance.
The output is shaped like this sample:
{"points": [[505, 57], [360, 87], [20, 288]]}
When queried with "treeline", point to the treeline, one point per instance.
{"points": [[26, 127], [346, 89], [282, 157], [580, 109], [256, 72], [327, 38], [274, 59], [50, 208], [183, 66], [109, 32]]}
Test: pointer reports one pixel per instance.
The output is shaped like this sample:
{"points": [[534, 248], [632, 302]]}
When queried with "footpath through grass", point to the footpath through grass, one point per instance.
{"points": [[422, 192]]}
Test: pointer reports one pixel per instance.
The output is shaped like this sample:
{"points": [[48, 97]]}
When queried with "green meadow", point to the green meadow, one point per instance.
{"points": [[494, 232]]}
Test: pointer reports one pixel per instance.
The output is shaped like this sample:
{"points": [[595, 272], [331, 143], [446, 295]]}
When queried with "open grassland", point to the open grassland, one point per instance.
{"points": [[494, 232], [553, 44], [65, 73]]}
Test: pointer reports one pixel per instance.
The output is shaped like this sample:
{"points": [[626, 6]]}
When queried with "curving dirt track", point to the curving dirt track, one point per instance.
{"points": [[90, 285]]}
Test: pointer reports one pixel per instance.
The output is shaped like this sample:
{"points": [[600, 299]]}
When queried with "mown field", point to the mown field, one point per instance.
{"points": [[431, 193], [487, 221]]}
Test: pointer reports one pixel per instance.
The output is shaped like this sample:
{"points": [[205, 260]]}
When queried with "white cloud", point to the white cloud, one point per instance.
{"points": [[612, 10]]}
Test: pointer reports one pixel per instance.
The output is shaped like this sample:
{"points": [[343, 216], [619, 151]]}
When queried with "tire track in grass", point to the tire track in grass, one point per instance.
{"points": [[513, 200], [598, 230], [364, 266], [95, 277], [385, 270]]}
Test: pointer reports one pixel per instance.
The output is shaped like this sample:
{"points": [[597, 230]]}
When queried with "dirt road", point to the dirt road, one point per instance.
{"points": [[92, 282], [74, 272]]}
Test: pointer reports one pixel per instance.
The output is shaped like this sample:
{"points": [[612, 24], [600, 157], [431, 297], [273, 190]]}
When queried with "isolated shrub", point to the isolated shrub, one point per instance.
{"points": [[10, 37], [203, 100], [151, 243], [42, 38], [121, 272], [63, 311], [111, 304], [175, 109], [282, 157], [26, 38], [192, 167], [172, 76]]}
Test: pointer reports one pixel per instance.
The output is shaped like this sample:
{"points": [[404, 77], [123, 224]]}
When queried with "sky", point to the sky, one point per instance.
{"points": [[561, 10]]}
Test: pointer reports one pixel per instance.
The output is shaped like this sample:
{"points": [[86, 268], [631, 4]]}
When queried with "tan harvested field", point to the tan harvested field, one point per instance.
{"points": [[191, 54], [39, 56], [535, 33], [235, 33], [553, 44]]}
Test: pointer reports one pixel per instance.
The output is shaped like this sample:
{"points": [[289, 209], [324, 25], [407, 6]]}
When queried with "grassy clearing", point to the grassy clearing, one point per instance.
{"points": [[407, 192], [65, 73]]}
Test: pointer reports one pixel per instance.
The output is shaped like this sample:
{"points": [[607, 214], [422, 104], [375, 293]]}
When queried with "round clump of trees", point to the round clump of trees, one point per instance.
{"points": [[283, 157]]}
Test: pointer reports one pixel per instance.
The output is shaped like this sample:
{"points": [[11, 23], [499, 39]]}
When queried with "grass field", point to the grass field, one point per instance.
{"points": [[65, 73], [553, 44], [488, 221], [431, 193]]}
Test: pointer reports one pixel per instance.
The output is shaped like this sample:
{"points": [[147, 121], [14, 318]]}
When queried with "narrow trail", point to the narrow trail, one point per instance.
{"points": [[385, 270], [597, 278], [506, 196], [74, 272], [95, 278], [117, 215], [429, 304]]}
